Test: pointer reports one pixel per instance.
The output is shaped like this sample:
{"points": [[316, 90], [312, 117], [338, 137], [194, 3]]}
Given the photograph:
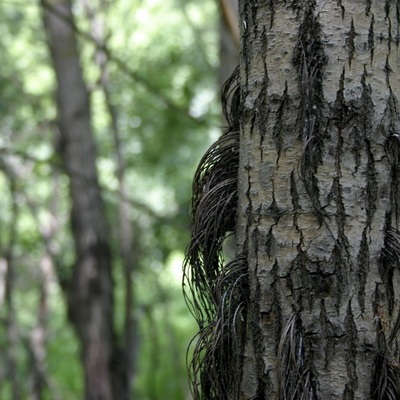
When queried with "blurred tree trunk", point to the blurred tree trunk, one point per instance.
{"points": [[229, 39], [9, 265], [89, 292], [310, 306], [125, 231], [41, 379]]}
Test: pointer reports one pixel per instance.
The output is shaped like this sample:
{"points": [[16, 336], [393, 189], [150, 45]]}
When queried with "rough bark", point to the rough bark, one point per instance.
{"points": [[309, 308], [319, 200], [89, 293]]}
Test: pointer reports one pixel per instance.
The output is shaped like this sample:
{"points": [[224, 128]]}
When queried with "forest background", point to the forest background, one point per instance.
{"points": [[153, 69]]}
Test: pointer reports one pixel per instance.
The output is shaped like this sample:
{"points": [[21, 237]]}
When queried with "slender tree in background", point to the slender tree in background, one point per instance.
{"points": [[309, 308], [7, 301], [89, 291], [125, 234], [38, 340], [229, 39]]}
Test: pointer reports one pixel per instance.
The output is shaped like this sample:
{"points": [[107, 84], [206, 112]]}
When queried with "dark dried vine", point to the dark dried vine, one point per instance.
{"points": [[386, 375], [385, 379], [295, 377], [215, 291]]}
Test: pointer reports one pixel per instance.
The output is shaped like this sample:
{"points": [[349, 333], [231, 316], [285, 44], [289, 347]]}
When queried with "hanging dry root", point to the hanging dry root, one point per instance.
{"points": [[215, 291], [385, 379], [295, 377]]}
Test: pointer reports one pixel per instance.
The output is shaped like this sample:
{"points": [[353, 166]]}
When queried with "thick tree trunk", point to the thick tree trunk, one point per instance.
{"points": [[319, 199], [90, 300], [310, 306]]}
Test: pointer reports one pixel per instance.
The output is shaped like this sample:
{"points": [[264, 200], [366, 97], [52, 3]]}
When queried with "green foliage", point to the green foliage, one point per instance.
{"points": [[163, 57], [164, 334]]}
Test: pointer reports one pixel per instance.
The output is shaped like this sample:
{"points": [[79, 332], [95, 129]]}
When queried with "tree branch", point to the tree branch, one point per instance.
{"points": [[124, 67]]}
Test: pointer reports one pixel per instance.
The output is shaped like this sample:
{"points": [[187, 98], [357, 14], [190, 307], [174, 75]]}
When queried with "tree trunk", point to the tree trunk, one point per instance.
{"points": [[10, 319], [229, 39], [319, 201], [90, 299], [309, 309], [125, 231]]}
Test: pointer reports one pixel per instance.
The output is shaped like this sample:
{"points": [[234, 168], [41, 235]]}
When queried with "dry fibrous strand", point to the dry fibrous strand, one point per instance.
{"points": [[385, 379], [214, 201], [215, 291], [295, 377]]}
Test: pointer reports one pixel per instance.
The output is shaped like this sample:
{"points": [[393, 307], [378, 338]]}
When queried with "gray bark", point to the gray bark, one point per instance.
{"points": [[310, 306], [319, 199]]}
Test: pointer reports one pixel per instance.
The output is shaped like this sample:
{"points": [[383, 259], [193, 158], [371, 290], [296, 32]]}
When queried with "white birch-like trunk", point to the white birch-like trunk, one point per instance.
{"points": [[319, 198]]}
